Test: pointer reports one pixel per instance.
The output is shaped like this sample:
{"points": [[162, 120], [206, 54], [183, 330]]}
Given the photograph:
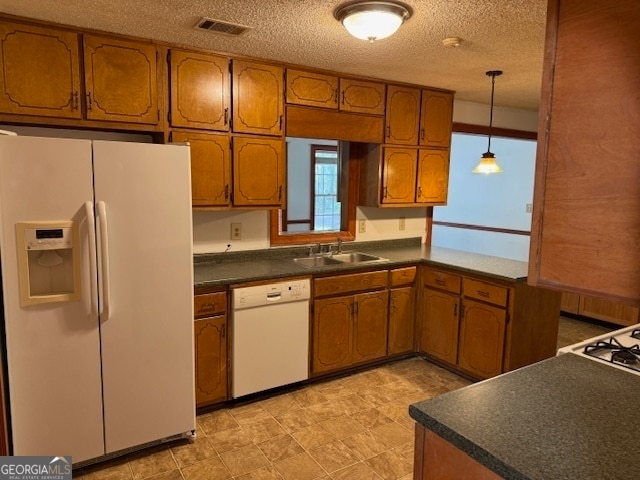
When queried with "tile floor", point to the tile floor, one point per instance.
{"points": [[350, 428]]}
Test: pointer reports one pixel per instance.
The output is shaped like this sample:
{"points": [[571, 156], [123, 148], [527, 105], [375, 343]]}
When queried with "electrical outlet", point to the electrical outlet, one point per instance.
{"points": [[236, 231], [362, 225], [529, 208], [402, 223]]}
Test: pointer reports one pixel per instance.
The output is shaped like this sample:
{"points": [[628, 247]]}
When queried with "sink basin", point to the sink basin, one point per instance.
{"points": [[310, 262], [355, 257]]}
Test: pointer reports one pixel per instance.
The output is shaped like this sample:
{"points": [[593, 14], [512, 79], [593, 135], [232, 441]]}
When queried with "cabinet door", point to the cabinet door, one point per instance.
{"points": [[258, 103], [210, 168], [433, 176], [399, 175], [401, 320], [436, 117], [121, 80], [332, 334], [313, 89], [482, 339], [402, 115], [440, 323], [370, 326], [258, 172], [200, 95], [210, 346], [41, 73], [361, 97]]}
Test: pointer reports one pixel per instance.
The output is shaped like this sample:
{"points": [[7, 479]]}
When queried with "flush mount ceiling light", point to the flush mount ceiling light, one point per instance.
{"points": [[488, 161], [372, 20]]}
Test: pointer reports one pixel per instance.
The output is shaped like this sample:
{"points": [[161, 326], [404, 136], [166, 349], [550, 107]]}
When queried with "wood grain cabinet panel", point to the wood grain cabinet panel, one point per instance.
{"points": [[258, 103], [210, 346], [258, 172], [312, 89], [362, 97], [440, 325], [200, 95], [399, 175], [210, 168], [402, 122], [120, 80], [433, 176], [370, 326], [41, 71], [332, 334], [436, 118], [353, 282], [401, 320]]}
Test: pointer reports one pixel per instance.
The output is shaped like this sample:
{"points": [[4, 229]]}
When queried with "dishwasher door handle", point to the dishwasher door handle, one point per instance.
{"points": [[273, 297]]}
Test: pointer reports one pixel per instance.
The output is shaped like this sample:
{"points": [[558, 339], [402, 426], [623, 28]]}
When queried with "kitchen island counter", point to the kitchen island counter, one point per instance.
{"points": [[566, 417]]}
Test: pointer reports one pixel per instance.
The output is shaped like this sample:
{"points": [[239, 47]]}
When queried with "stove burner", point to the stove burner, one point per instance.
{"points": [[625, 357], [636, 333]]}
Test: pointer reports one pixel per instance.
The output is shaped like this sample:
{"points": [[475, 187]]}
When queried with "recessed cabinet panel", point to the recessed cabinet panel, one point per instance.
{"points": [[210, 168], [402, 115], [40, 71], [436, 118], [200, 96], [258, 103], [362, 97], [332, 334], [210, 345], [120, 80], [258, 172], [433, 176], [401, 320], [370, 326], [399, 174], [439, 336], [312, 89]]}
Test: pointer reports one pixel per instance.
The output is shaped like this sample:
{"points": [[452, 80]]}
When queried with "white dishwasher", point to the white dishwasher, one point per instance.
{"points": [[270, 339]]}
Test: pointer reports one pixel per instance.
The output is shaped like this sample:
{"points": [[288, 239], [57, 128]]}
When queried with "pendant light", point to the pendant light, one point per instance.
{"points": [[372, 20], [488, 161]]}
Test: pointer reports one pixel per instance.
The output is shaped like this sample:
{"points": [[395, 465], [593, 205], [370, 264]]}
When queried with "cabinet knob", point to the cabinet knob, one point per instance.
{"points": [[422, 134], [388, 131], [226, 116], [335, 95], [74, 101], [343, 96], [89, 101]]}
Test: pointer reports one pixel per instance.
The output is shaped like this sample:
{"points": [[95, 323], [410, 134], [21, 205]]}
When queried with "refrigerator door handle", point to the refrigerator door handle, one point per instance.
{"points": [[93, 266], [104, 261]]}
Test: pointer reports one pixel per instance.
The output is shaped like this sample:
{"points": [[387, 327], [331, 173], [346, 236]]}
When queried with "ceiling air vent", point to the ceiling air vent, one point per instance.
{"points": [[219, 26]]}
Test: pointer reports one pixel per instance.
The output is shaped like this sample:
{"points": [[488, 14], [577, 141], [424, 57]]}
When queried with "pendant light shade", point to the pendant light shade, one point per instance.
{"points": [[372, 20], [488, 161]]}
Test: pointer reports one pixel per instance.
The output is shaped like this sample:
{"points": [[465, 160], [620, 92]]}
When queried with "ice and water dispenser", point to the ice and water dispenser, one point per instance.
{"points": [[48, 262]]}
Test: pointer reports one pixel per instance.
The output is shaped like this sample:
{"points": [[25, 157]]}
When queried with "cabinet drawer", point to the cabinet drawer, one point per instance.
{"points": [[442, 280], [402, 276], [349, 283], [485, 292], [209, 304]]}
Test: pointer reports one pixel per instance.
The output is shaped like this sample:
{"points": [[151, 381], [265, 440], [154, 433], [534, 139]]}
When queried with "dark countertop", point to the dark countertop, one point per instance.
{"points": [[237, 267], [567, 417]]}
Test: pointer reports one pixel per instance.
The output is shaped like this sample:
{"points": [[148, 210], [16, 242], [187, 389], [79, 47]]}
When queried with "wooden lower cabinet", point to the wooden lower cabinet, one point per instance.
{"points": [[370, 324], [600, 309], [401, 320], [210, 348], [332, 334], [483, 326]]}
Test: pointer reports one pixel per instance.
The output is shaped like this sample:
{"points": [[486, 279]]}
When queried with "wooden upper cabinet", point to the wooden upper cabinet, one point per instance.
{"points": [[436, 117], [433, 176], [258, 103], [41, 73], [586, 224], [210, 168], [120, 80], [402, 121], [258, 172], [200, 95], [362, 97], [399, 175], [312, 89]]}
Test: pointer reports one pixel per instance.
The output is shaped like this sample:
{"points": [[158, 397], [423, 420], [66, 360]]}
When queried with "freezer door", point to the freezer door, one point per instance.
{"points": [[143, 194], [53, 350]]}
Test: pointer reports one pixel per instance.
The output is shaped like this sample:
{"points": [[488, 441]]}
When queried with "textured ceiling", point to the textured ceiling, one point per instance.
{"points": [[503, 35]]}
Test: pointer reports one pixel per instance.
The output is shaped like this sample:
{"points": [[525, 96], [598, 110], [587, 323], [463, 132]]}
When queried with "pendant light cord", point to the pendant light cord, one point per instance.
{"points": [[493, 83]]}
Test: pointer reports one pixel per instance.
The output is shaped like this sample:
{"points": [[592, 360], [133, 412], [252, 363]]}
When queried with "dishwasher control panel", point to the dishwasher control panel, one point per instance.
{"points": [[282, 292]]}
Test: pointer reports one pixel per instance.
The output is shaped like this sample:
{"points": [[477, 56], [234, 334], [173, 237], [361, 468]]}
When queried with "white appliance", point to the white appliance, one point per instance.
{"points": [[619, 349], [97, 289], [270, 336]]}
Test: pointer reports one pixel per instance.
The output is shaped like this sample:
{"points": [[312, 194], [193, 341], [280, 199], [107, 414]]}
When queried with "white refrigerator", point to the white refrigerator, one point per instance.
{"points": [[97, 294]]}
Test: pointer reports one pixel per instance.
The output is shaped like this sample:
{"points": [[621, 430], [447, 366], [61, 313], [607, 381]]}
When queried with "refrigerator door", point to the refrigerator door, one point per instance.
{"points": [[143, 195], [53, 350]]}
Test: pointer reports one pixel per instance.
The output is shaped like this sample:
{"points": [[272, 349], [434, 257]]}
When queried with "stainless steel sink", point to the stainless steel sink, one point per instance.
{"points": [[337, 259], [311, 262], [356, 257]]}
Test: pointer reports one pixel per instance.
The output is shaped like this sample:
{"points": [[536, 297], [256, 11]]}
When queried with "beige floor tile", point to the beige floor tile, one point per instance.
{"points": [[364, 445], [189, 453], [299, 467], [389, 465], [359, 471], [266, 473], [350, 404], [173, 475], [308, 396], [279, 448], [229, 439], [279, 405], [405, 450], [114, 470], [322, 411], [371, 418], [343, 426], [147, 465], [249, 413], [313, 436], [295, 420], [244, 460], [216, 421], [334, 456], [392, 435], [210, 469], [263, 430]]}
